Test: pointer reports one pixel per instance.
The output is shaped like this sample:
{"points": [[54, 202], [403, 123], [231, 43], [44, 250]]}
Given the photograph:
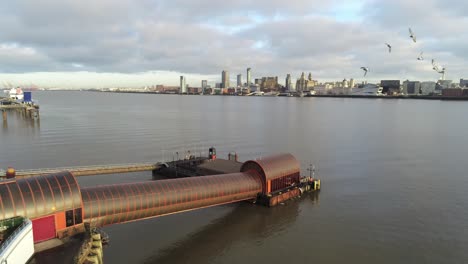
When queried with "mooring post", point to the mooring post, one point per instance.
{"points": [[4, 115]]}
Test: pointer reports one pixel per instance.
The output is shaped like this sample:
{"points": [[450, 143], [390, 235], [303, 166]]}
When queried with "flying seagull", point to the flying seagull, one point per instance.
{"points": [[435, 66], [389, 47], [442, 71], [365, 69], [421, 56], [411, 35]]}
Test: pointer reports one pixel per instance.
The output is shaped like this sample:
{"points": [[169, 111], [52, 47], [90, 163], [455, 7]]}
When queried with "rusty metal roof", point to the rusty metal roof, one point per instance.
{"points": [[273, 167], [111, 204], [39, 196]]}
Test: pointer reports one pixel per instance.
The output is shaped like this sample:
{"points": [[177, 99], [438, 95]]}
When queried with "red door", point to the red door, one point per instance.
{"points": [[43, 228]]}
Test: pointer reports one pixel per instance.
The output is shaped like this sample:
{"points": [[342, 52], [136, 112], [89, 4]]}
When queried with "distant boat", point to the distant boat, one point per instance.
{"points": [[271, 94], [257, 93], [16, 93], [369, 89]]}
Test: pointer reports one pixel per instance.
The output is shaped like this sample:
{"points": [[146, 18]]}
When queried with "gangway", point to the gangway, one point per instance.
{"points": [[88, 170]]}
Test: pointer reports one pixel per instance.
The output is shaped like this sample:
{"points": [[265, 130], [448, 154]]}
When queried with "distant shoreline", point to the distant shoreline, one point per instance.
{"points": [[416, 97]]}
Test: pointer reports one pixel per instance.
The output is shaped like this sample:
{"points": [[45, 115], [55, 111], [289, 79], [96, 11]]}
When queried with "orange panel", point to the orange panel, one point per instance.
{"points": [[60, 221], [269, 186]]}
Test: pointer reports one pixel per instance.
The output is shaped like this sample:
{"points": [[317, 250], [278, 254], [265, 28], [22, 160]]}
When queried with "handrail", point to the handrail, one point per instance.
{"points": [[12, 236], [80, 168], [88, 167]]}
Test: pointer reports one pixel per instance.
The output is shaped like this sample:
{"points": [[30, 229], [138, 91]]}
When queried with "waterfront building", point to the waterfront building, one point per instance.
{"points": [[443, 84], [344, 83], [249, 77], [323, 89], [239, 80], [288, 82], [269, 84], [390, 87], [303, 84], [254, 88], [411, 88], [352, 83], [225, 79], [292, 86], [428, 88], [204, 85], [463, 83], [452, 92], [183, 86]]}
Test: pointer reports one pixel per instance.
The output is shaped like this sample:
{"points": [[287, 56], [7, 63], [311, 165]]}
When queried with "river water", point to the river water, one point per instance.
{"points": [[394, 174]]}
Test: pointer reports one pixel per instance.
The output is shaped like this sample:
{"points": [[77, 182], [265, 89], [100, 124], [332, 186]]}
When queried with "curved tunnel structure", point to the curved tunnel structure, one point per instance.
{"points": [[58, 207], [105, 205], [276, 171]]}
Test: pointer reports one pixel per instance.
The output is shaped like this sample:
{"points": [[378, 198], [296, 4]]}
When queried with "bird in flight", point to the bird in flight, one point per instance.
{"points": [[411, 34], [365, 69], [435, 66], [421, 56], [389, 47]]}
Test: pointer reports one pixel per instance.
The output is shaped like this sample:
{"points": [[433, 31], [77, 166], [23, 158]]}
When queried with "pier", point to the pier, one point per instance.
{"points": [[86, 170], [59, 208], [26, 109]]}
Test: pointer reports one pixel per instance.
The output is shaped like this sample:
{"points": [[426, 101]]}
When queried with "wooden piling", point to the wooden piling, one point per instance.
{"points": [[4, 115]]}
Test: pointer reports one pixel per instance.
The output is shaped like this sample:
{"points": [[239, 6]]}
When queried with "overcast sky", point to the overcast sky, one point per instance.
{"points": [[103, 43]]}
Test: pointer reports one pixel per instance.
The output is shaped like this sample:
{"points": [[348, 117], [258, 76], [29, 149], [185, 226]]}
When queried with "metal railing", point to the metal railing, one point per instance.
{"points": [[80, 168], [12, 236]]}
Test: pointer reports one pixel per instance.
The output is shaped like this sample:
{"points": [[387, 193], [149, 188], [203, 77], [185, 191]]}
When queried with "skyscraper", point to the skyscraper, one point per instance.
{"points": [[249, 77], [239, 80], [288, 82], [225, 79], [183, 86], [204, 84]]}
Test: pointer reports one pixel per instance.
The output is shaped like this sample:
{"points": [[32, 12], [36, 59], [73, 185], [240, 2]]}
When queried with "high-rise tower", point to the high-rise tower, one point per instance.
{"points": [[249, 77], [183, 86], [225, 79], [288, 82], [239, 80]]}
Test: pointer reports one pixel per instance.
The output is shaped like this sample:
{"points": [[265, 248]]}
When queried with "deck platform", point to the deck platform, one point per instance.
{"points": [[219, 166]]}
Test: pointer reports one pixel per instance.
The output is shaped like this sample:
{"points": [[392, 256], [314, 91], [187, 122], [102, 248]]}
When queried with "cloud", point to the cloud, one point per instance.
{"points": [[331, 39]]}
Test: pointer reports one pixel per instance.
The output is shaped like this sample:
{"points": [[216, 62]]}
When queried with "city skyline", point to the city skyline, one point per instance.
{"points": [[73, 45]]}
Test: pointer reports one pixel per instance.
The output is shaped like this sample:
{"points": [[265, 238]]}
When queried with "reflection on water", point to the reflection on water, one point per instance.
{"points": [[19, 122], [246, 222]]}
